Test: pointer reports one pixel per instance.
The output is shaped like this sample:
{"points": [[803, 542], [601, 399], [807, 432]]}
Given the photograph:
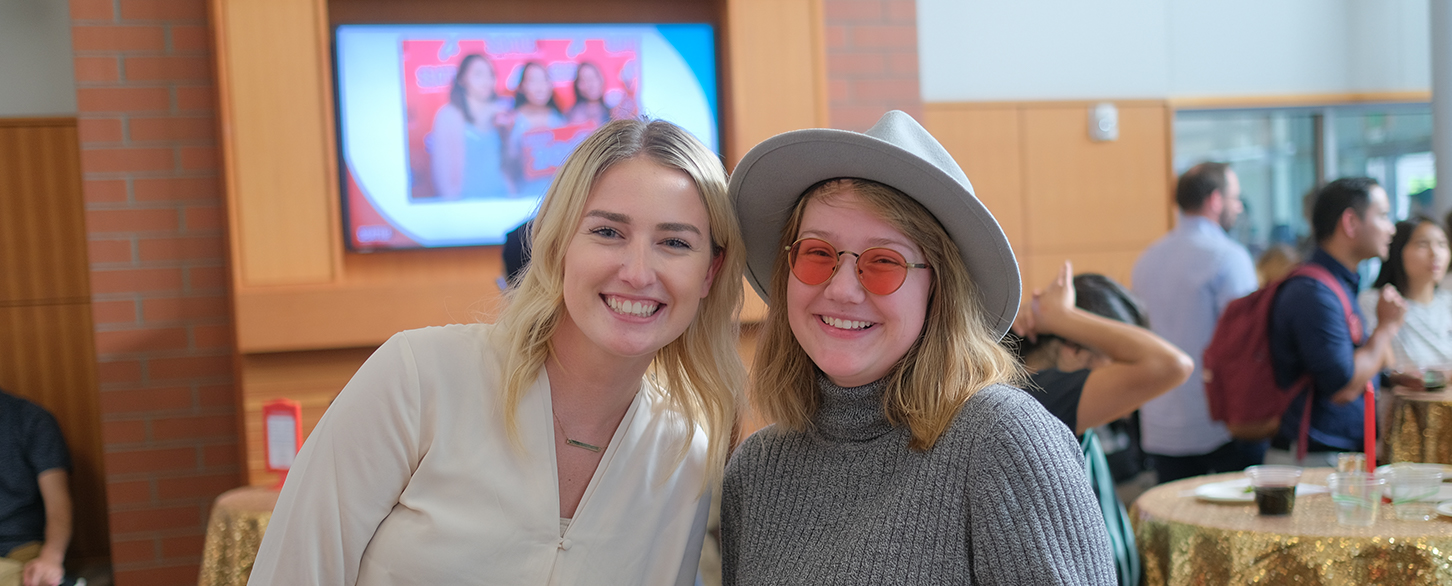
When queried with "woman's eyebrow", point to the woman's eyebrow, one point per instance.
{"points": [[677, 227], [612, 216]]}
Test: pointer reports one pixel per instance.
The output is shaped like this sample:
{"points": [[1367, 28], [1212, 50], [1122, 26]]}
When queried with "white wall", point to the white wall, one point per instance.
{"points": [[36, 73], [983, 50]]}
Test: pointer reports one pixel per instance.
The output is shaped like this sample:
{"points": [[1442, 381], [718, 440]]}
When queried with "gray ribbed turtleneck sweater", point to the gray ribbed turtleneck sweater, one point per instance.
{"points": [[1002, 498]]}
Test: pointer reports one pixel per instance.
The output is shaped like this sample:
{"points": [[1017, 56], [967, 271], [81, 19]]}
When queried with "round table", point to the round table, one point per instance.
{"points": [[1184, 540], [239, 518], [1421, 427]]}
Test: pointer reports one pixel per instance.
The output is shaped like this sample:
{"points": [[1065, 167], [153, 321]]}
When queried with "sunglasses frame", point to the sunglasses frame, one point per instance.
{"points": [[791, 266]]}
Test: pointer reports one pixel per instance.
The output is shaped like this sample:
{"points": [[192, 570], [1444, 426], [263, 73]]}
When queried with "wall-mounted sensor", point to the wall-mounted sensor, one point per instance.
{"points": [[1103, 122]]}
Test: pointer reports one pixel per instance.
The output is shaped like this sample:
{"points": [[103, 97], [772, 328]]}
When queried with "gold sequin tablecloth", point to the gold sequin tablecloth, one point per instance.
{"points": [[1421, 427], [1184, 540], [239, 518]]}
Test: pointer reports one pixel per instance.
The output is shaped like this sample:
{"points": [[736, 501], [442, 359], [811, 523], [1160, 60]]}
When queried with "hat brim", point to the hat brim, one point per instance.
{"points": [[773, 175]]}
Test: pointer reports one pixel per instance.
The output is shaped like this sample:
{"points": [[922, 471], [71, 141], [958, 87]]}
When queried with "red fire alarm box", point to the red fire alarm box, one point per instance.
{"points": [[282, 435]]}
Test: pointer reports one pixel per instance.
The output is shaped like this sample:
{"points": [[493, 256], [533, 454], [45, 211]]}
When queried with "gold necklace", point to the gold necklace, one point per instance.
{"points": [[572, 442]]}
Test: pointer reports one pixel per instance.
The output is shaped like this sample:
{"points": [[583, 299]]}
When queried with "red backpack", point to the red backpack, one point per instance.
{"points": [[1240, 382]]}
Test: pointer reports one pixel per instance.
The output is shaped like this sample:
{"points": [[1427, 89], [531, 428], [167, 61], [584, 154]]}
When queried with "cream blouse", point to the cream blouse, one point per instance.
{"points": [[410, 478]]}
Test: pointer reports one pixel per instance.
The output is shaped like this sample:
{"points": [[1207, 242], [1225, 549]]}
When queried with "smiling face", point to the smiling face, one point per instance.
{"points": [[1425, 256], [853, 336], [534, 82], [638, 265], [589, 83], [478, 80]]}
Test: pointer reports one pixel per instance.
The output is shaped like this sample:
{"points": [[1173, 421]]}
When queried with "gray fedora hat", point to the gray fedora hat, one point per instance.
{"points": [[897, 151]]}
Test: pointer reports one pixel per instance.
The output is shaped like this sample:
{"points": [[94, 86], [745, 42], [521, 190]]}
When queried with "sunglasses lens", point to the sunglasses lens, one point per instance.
{"points": [[881, 270], [813, 261]]}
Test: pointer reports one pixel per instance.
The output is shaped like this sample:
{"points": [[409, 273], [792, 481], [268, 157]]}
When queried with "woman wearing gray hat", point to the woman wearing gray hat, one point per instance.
{"points": [[900, 453]]}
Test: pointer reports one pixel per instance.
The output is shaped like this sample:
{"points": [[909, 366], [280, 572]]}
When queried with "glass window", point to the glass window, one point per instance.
{"points": [[1282, 154]]}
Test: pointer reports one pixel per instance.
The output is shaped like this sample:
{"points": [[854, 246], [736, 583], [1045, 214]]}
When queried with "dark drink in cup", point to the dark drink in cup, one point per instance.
{"points": [[1275, 488], [1275, 500]]}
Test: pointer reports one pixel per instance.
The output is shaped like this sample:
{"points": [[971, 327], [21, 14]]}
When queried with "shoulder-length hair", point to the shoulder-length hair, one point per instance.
{"points": [[1394, 269], [955, 356], [520, 99], [458, 96], [700, 373]]}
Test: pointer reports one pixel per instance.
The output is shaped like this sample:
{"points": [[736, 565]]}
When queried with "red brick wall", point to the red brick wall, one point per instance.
{"points": [[872, 60], [154, 220]]}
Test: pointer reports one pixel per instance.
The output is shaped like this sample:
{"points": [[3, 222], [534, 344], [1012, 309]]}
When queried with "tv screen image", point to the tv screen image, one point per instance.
{"points": [[450, 134]]}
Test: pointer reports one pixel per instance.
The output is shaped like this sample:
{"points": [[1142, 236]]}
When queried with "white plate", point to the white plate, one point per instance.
{"points": [[1234, 491], [1445, 509]]}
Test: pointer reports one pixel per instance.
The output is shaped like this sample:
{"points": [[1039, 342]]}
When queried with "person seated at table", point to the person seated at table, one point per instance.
{"points": [[1090, 355], [574, 441], [1416, 262], [35, 499]]}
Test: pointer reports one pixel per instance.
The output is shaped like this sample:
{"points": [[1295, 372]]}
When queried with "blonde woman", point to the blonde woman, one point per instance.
{"points": [[900, 453], [572, 442]]}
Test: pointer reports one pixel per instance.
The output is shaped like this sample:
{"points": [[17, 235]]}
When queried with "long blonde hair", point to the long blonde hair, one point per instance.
{"points": [[955, 356], [700, 372]]}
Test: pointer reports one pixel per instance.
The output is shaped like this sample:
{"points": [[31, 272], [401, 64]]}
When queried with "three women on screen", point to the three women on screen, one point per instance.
{"points": [[480, 145], [576, 440]]}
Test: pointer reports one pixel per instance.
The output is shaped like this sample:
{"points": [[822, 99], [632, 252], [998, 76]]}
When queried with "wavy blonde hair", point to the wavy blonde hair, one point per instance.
{"points": [[700, 373], [955, 356]]}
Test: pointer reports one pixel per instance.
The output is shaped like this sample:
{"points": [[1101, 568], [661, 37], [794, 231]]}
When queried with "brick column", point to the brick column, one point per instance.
{"points": [[154, 220], [872, 60]]}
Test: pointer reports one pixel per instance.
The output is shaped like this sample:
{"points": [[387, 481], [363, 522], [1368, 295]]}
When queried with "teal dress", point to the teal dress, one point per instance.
{"points": [[483, 172], [530, 187]]}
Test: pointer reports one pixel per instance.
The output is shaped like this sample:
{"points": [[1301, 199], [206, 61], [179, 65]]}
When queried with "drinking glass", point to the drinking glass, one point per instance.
{"points": [[1275, 488], [1357, 496], [1413, 488]]}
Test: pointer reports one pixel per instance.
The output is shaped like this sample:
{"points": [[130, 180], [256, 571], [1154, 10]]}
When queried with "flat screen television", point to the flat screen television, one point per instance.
{"points": [[449, 135]]}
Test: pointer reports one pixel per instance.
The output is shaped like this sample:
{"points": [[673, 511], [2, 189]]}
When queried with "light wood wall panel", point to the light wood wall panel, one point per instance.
{"points": [[778, 81], [47, 349], [47, 356], [42, 222], [310, 378], [273, 80], [1099, 196], [1058, 195], [985, 142]]}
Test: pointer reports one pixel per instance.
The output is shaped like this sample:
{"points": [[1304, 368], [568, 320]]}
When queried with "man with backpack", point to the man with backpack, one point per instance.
{"points": [[1316, 339], [1185, 279]]}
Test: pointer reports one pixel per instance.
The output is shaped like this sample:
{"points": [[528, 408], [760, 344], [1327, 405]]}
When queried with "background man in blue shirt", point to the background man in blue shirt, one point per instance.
{"points": [[1309, 335], [1185, 279]]}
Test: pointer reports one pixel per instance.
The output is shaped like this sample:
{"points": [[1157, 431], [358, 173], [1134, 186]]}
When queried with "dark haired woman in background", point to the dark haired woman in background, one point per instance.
{"points": [[465, 145], [1089, 350], [589, 96], [1416, 263], [1090, 353], [534, 109]]}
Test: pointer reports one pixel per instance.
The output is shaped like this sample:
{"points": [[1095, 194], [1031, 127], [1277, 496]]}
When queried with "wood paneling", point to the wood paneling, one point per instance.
{"points": [[47, 349], [46, 355], [1057, 194], [777, 78], [273, 80], [310, 378], [985, 142], [42, 223], [1094, 195]]}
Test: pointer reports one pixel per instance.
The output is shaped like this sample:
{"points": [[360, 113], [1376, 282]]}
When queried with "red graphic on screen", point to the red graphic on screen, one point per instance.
{"points": [[494, 118]]}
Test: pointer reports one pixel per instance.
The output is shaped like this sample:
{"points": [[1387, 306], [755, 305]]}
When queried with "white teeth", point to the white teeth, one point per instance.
{"points": [[635, 308], [846, 324]]}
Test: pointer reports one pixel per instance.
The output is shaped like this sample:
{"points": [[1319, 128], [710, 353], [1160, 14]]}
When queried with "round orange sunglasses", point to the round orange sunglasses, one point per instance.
{"points": [[880, 270]]}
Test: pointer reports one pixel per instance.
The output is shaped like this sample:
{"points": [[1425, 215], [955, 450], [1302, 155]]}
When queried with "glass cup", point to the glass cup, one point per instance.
{"points": [[1413, 489], [1357, 496], [1351, 462], [1275, 488]]}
